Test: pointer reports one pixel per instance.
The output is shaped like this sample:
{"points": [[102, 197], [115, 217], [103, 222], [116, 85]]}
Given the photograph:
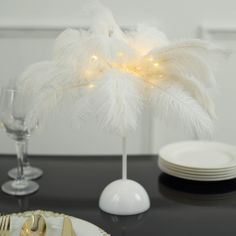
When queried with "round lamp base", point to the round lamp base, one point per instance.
{"points": [[124, 197]]}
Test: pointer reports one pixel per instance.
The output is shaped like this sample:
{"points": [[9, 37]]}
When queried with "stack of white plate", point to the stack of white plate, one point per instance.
{"points": [[197, 160]]}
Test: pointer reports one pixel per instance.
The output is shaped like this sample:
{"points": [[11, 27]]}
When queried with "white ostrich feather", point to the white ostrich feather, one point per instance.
{"points": [[107, 39], [81, 110], [109, 49], [171, 101], [187, 63], [195, 45], [118, 102], [120, 72], [52, 98], [45, 106], [192, 58], [68, 47], [196, 90], [47, 85], [103, 22], [46, 74], [36, 75], [144, 38]]}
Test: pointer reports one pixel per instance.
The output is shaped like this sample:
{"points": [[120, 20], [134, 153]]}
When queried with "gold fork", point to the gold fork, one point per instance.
{"points": [[5, 225]]}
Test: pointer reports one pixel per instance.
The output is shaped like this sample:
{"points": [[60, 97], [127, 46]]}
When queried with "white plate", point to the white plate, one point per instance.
{"points": [[200, 155], [197, 173], [193, 177], [84, 228], [198, 170], [54, 224], [189, 173]]}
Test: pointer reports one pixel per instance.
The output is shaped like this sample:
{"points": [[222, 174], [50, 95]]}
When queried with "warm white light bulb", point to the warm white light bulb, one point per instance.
{"points": [[156, 64], [94, 58], [150, 59], [88, 73], [91, 85], [120, 54]]}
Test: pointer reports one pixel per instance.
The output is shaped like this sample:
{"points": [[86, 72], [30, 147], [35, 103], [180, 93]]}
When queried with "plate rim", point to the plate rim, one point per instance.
{"points": [[163, 155], [182, 176], [219, 171], [46, 214], [200, 175]]}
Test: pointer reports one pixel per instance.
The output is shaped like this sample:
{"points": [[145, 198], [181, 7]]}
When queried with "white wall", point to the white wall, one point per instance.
{"points": [[179, 19]]}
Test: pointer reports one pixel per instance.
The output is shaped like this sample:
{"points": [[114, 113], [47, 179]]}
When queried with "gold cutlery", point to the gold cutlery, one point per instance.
{"points": [[67, 229], [5, 222], [34, 226]]}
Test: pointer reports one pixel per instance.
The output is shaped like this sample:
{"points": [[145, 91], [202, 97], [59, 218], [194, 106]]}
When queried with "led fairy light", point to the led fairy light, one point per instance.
{"points": [[123, 72], [94, 58]]}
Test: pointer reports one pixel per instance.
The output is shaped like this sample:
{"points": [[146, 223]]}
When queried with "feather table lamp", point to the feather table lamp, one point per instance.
{"points": [[113, 75]]}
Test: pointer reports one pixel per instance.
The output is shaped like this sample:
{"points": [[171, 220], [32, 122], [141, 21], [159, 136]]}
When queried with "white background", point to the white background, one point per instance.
{"points": [[20, 46]]}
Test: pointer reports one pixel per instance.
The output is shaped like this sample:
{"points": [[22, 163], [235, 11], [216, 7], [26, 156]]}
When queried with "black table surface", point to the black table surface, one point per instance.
{"points": [[72, 185]]}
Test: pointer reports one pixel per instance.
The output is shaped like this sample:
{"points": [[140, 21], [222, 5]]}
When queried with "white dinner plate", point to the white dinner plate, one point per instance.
{"points": [[197, 173], [200, 155], [197, 170], [194, 177]]}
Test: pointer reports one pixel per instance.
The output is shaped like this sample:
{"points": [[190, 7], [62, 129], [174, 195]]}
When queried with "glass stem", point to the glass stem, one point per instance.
{"points": [[20, 149], [25, 156], [124, 159]]}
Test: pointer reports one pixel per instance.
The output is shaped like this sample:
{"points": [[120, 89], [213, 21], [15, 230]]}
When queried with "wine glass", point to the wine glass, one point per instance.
{"points": [[30, 172], [14, 107]]}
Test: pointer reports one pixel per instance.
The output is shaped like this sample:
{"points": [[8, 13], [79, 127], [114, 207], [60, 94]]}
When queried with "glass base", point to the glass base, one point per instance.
{"points": [[20, 188], [30, 173]]}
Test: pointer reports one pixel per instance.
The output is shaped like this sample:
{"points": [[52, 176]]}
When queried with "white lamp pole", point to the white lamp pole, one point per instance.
{"points": [[124, 159]]}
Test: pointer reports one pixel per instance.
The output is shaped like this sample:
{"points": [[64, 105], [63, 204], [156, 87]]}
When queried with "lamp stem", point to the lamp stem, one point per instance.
{"points": [[124, 159]]}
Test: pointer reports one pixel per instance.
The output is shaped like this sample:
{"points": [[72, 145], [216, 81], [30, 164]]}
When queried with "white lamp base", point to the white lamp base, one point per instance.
{"points": [[124, 197]]}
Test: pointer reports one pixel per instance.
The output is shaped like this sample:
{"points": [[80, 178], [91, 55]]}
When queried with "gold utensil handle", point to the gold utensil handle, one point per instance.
{"points": [[5, 222], [67, 229], [35, 225]]}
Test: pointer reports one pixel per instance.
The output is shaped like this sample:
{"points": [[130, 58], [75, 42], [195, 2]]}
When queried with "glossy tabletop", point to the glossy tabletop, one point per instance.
{"points": [[72, 185]]}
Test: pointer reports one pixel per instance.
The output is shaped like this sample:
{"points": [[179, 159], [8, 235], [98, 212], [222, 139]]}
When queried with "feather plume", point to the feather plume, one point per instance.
{"points": [[196, 90], [119, 72], [188, 64], [194, 45], [102, 21], [47, 85], [170, 100], [118, 102], [67, 47], [37, 75], [192, 58], [45, 106], [144, 38], [46, 74], [52, 99], [81, 110]]}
